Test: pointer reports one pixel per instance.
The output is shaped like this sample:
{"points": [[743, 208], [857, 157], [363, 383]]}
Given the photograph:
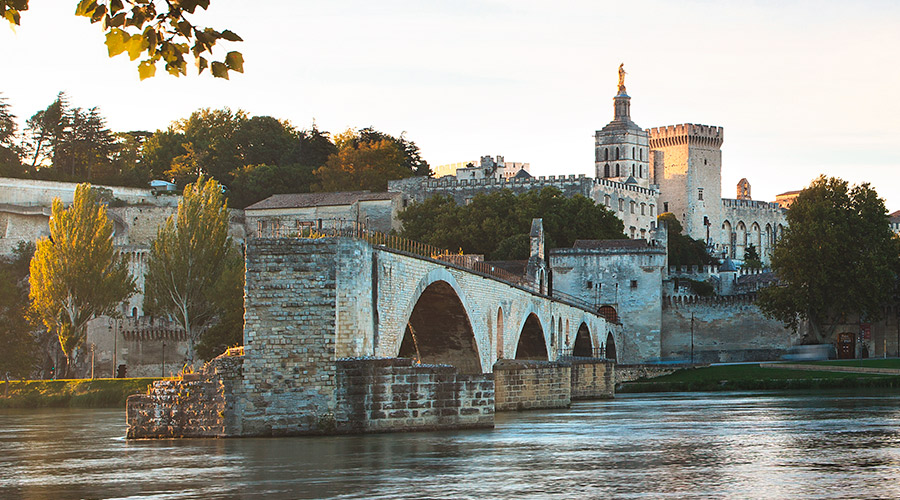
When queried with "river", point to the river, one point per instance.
{"points": [[684, 445]]}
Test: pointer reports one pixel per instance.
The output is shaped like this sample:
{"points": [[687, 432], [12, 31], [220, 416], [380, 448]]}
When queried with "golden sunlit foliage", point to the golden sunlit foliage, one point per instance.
{"points": [[157, 30], [187, 259], [76, 274]]}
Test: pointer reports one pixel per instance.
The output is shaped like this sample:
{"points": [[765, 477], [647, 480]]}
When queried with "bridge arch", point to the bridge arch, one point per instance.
{"points": [[532, 342], [584, 346], [438, 328], [611, 347]]}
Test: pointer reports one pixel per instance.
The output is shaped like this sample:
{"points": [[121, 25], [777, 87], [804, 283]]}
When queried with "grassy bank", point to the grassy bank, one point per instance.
{"points": [[76, 393], [754, 377]]}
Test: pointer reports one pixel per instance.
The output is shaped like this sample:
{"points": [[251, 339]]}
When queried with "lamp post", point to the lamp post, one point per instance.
{"points": [[163, 375]]}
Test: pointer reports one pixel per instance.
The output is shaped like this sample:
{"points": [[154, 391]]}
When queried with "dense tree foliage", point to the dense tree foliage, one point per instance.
{"points": [[253, 157], [19, 350], [368, 159], [683, 250], [227, 330], [187, 260], [10, 154], [837, 257], [76, 274], [498, 224], [157, 30]]}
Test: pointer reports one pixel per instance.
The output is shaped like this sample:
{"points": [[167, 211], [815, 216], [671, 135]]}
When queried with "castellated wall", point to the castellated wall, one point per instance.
{"points": [[726, 329]]}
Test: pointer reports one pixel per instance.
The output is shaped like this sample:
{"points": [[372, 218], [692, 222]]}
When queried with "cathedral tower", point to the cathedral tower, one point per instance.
{"points": [[621, 148]]}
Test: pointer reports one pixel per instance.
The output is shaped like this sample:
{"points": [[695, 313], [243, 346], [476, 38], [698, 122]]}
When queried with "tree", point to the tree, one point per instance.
{"points": [[228, 297], [751, 258], [683, 250], [837, 257], [360, 164], [18, 346], [498, 224], [76, 273], [10, 153], [69, 143], [187, 258], [158, 30]]}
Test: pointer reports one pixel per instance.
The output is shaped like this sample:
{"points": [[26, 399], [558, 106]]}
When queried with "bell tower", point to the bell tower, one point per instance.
{"points": [[622, 148]]}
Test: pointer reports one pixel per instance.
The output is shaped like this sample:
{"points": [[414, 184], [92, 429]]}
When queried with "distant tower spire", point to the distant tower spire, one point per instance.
{"points": [[622, 102], [622, 74]]}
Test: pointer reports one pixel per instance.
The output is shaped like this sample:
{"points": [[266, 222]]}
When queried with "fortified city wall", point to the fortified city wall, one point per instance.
{"points": [[725, 329]]}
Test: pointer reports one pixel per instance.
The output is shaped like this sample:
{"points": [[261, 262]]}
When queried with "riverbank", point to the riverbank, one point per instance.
{"points": [[75, 393], [772, 376]]}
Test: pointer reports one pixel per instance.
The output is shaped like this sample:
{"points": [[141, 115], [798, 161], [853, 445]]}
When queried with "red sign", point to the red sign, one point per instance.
{"points": [[866, 330]]}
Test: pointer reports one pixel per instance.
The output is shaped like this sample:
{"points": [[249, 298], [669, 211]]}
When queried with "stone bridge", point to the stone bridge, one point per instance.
{"points": [[341, 335]]}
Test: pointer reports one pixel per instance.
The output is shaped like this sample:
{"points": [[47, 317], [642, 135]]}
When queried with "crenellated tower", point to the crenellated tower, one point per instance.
{"points": [[621, 148], [686, 161]]}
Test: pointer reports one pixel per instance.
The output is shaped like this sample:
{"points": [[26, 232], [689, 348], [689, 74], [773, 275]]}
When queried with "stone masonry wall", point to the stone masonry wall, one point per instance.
{"points": [[728, 329], [529, 385], [391, 395], [202, 404], [593, 379], [289, 335]]}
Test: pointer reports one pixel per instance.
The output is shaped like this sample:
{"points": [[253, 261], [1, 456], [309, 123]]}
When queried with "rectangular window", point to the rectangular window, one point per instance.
{"points": [[633, 284], [699, 193], [665, 206], [590, 284]]}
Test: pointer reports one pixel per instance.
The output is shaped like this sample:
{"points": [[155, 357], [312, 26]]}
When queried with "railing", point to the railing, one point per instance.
{"points": [[329, 228]]}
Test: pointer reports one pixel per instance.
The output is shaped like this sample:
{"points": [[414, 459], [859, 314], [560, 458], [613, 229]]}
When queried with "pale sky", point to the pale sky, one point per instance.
{"points": [[801, 88]]}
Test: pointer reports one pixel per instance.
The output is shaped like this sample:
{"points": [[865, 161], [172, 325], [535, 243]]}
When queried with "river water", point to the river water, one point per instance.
{"points": [[685, 445]]}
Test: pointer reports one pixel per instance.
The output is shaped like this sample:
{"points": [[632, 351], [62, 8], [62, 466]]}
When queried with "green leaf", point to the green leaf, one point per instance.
{"points": [[235, 61], [147, 69], [231, 36], [115, 41], [219, 70]]}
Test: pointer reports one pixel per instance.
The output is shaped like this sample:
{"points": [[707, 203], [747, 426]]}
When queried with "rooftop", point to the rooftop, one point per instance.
{"points": [[304, 200]]}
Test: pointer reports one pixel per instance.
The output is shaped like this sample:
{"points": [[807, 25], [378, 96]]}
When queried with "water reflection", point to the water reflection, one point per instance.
{"points": [[746, 445]]}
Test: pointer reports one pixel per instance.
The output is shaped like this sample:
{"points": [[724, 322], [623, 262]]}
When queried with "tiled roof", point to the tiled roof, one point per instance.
{"points": [[304, 200]]}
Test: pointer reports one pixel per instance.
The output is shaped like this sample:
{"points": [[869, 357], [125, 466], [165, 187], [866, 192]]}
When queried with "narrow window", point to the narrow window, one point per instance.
{"points": [[606, 154], [632, 154], [643, 209], [621, 205], [617, 153], [617, 170], [606, 170], [665, 206], [699, 193], [632, 206], [651, 210]]}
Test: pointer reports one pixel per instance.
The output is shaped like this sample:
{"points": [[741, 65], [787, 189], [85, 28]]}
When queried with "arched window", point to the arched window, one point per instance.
{"points": [[606, 170], [606, 154], [617, 153], [633, 156], [632, 169], [617, 170]]}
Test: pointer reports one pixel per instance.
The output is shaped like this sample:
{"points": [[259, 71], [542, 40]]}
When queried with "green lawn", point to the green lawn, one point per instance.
{"points": [[752, 377], [75, 393]]}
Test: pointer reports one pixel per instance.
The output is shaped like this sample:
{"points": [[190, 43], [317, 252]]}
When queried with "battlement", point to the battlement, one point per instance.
{"points": [[451, 182], [676, 301], [686, 134], [763, 205], [625, 187]]}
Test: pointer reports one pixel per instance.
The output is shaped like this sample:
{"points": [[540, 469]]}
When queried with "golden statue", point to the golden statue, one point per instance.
{"points": [[622, 78]]}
